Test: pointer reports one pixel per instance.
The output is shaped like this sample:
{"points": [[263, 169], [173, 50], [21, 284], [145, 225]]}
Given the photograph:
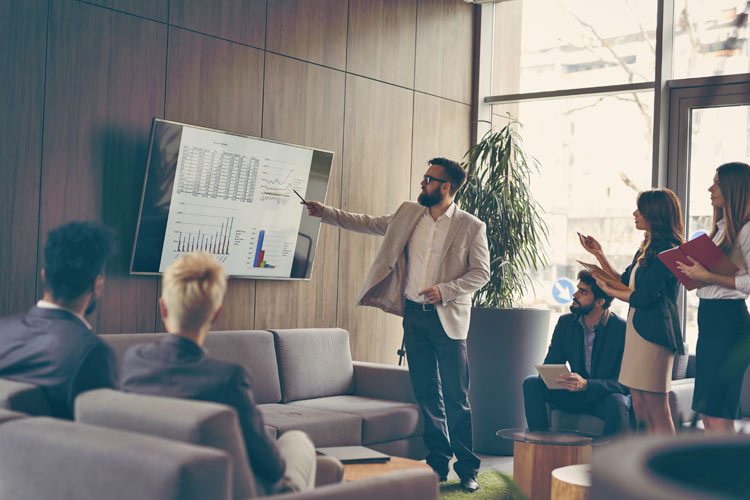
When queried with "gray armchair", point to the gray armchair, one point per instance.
{"points": [[215, 425]]}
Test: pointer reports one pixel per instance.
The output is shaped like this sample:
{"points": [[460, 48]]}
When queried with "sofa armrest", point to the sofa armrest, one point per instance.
{"points": [[26, 398], [375, 380], [401, 485], [681, 401]]}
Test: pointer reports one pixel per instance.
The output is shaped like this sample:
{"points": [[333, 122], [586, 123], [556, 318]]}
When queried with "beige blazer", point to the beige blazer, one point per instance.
{"points": [[463, 268]]}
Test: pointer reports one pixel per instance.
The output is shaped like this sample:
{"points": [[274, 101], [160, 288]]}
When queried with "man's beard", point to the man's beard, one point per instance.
{"points": [[428, 200], [91, 307], [581, 310]]}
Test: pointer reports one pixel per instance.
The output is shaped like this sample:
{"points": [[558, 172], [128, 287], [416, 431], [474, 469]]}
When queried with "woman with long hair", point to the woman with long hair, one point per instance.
{"points": [[652, 335], [723, 349]]}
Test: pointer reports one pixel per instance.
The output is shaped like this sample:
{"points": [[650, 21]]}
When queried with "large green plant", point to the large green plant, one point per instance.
{"points": [[497, 192]]}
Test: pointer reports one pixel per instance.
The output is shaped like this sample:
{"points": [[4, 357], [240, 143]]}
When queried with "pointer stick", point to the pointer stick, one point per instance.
{"points": [[300, 196]]}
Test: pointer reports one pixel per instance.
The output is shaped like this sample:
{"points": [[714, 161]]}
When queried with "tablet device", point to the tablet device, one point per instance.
{"points": [[353, 454], [549, 374]]}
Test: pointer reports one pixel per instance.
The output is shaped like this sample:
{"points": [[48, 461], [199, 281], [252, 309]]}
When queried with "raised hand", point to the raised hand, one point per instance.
{"points": [[314, 208], [590, 244]]}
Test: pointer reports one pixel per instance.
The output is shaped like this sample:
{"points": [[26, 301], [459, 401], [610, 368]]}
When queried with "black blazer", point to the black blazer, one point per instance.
{"points": [[178, 367], [54, 349], [567, 345], [655, 301]]}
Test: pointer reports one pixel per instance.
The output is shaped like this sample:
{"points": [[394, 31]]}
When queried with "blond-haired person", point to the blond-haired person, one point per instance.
{"points": [[191, 300]]}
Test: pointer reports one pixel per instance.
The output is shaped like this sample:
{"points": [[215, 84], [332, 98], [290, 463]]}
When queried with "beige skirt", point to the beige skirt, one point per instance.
{"points": [[645, 366]]}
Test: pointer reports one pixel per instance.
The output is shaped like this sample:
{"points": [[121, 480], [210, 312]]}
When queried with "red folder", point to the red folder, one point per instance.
{"points": [[704, 251]]}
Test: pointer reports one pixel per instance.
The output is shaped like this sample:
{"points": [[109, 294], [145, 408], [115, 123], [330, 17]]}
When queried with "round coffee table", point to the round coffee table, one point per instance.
{"points": [[537, 453], [571, 482]]}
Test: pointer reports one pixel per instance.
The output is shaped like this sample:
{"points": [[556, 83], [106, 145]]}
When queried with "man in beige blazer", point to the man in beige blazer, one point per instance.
{"points": [[433, 257]]}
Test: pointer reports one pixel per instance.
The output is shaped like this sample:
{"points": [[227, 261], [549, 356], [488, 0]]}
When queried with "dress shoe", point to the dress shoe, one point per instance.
{"points": [[469, 484]]}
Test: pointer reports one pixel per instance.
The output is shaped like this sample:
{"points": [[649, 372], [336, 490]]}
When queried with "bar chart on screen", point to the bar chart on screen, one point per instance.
{"points": [[231, 197]]}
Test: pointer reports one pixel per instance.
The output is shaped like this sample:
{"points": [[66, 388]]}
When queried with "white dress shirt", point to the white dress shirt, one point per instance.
{"points": [[424, 251], [742, 278], [50, 305]]}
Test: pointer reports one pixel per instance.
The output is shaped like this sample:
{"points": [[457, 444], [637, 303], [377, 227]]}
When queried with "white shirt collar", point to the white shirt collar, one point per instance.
{"points": [[51, 305], [447, 214]]}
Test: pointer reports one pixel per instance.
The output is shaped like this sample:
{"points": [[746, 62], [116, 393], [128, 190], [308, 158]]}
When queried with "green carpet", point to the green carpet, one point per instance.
{"points": [[493, 485]]}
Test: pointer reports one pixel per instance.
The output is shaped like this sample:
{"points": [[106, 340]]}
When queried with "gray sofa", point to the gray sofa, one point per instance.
{"points": [[305, 379], [46, 458]]}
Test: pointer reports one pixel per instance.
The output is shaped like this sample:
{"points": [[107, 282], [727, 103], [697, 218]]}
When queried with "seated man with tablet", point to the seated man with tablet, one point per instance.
{"points": [[590, 340]]}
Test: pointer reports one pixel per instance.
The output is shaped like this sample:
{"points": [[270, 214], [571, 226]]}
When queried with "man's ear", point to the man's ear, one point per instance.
{"points": [[217, 314], [600, 303], [163, 310], [98, 285]]}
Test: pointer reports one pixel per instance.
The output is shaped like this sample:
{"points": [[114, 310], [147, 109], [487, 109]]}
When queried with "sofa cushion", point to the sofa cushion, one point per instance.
{"points": [[43, 457], [680, 365], [23, 397], [189, 421], [325, 428], [382, 420], [8, 415], [314, 363], [253, 349]]}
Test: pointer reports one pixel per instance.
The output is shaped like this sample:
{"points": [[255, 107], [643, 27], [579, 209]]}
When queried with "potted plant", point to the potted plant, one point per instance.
{"points": [[505, 341]]}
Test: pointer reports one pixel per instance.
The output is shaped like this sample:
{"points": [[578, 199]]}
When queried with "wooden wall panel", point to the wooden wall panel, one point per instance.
{"points": [[441, 128], [375, 180], [313, 30], [218, 84], [242, 21], [23, 33], [105, 82], [152, 9], [445, 32], [381, 40], [304, 104]]}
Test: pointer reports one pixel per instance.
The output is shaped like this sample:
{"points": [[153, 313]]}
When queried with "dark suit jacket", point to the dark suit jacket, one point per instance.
{"points": [[178, 367], [655, 301], [567, 345], [53, 349]]}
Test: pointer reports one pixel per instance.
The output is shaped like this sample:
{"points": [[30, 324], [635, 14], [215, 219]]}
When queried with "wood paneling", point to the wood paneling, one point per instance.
{"points": [[375, 180], [152, 9], [242, 21], [381, 40], [313, 30], [445, 31], [105, 82], [218, 84], [441, 128], [304, 104], [23, 34], [214, 83]]}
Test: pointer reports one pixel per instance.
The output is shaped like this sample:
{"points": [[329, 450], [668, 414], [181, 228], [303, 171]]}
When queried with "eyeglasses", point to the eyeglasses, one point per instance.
{"points": [[429, 178]]}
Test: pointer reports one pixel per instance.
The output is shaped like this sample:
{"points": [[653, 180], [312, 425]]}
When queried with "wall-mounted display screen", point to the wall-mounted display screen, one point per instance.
{"points": [[230, 195]]}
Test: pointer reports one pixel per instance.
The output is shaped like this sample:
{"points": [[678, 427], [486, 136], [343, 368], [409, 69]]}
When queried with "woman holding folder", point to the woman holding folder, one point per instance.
{"points": [[723, 348], [652, 335]]}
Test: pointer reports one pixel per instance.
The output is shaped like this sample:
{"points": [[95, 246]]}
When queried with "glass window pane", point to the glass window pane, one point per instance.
{"points": [[595, 156], [542, 45], [718, 135], [708, 40]]}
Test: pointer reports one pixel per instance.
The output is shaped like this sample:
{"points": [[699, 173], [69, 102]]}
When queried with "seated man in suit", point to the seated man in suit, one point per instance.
{"points": [[591, 339], [52, 344], [193, 289]]}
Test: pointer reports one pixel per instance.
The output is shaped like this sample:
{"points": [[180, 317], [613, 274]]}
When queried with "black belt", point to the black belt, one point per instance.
{"points": [[419, 306]]}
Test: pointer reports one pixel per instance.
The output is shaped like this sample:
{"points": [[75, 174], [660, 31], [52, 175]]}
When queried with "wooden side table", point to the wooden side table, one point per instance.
{"points": [[356, 472], [537, 453], [571, 482]]}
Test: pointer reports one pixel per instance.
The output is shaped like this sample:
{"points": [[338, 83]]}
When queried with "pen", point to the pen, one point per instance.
{"points": [[300, 196]]}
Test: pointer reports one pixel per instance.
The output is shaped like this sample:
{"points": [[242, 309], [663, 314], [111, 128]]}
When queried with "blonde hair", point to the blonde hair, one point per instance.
{"points": [[193, 289]]}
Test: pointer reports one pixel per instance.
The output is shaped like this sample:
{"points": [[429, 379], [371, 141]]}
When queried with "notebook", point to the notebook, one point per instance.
{"points": [[353, 454]]}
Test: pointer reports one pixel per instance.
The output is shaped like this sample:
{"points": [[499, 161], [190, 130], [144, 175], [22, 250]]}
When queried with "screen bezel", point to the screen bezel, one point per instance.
{"points": [[326, 171]]}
